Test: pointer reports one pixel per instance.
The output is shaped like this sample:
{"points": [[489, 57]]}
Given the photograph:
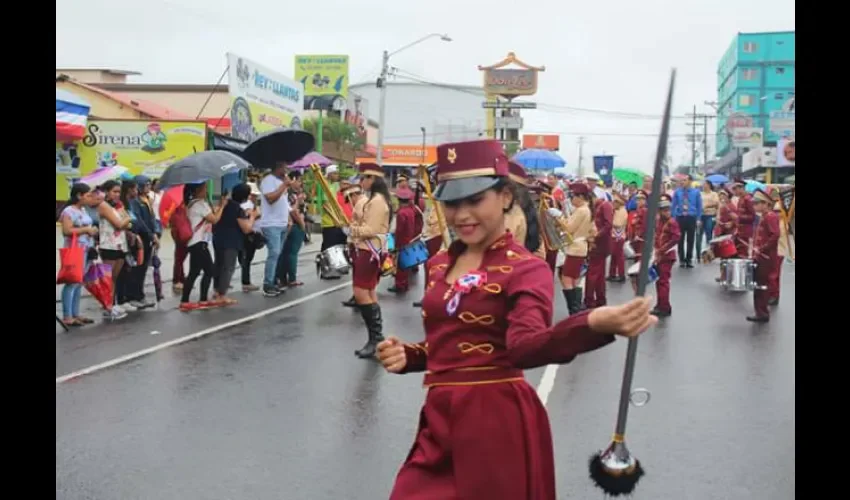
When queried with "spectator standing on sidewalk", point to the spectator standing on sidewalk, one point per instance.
{"points": [[275, 208], [77, 222], [201, 218], [288, 264], [112, 237], [141, 206], [687, 209], [250, 247], [229, 239]]}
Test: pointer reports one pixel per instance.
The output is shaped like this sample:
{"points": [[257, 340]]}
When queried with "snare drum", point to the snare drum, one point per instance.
{"points": [[333, 260], [739, 275], [723, 247], [412, 254]]}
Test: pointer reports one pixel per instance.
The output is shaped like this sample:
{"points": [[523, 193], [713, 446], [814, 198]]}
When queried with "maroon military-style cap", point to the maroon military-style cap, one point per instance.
{"points": [[517, 173], [664, 201], [642, 194], [404, 194], [465, 169], [728, 192], [371, 169], [738, 182], [579, 188]]}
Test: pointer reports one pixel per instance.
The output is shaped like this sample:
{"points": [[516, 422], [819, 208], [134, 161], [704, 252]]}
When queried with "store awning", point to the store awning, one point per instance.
{"points": [[71, 115]]}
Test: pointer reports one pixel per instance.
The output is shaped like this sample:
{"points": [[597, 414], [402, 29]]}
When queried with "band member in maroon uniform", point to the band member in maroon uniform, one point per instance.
{"points": [[368, 232], [765, 245], [542, 189], [483, 433], [405, 232], [666, 242], [727, 214], [353, 195], [578, 226], [746, 219], [639, 223], [783, 250], [617, 268], [600, 249]]}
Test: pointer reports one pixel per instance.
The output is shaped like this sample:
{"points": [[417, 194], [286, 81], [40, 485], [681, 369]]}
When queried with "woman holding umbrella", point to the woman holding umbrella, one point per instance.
{"points": [[202, 216]]}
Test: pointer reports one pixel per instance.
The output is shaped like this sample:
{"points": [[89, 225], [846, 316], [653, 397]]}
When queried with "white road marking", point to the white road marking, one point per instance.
{"points": [[217, 328], [155, 332], [547, 383]]}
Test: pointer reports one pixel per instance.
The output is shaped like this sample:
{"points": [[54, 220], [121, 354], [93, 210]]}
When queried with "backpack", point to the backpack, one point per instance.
{"points": [[181, 228]]}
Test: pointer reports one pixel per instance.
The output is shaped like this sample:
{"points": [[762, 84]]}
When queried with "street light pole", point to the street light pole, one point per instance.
{"points": [[385, 70]]}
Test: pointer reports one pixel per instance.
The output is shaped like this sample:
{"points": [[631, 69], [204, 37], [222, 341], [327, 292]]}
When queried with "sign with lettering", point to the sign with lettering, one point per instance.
{"points": [[510, 82]]}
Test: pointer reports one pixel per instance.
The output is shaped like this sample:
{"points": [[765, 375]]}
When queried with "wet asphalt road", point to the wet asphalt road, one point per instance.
{"points": [[279, 408]]}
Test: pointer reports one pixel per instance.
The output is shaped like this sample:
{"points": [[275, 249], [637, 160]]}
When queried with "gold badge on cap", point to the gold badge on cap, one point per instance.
{"points": [[451, 155]]}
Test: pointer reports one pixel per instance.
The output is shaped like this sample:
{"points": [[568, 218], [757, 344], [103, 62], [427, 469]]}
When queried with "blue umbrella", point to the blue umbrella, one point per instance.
{"points": [[717, 179], [751, 186], [539, 159]]}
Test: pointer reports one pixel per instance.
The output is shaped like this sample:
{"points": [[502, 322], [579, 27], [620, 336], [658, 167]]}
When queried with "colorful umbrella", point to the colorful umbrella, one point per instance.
{"points": [[98, 282], [629, 175], [717, 179], [313, 158], [751, 186], [171, 199], [104, 174], [539, 159]]}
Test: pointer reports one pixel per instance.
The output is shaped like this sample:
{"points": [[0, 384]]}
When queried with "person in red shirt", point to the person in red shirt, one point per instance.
{"points": [[765, 249], [639, 224], [667, 235], [600, 249], [483, 433], [405, 232]]}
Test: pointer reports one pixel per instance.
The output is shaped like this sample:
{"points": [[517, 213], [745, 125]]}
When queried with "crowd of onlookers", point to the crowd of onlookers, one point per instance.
{"points": [[119, 224]]}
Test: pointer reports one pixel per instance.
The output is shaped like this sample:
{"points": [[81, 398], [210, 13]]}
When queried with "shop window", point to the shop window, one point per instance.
{"points": [[780, 71], [745, 100], [749, 74], [779, 96], [751, 47]]}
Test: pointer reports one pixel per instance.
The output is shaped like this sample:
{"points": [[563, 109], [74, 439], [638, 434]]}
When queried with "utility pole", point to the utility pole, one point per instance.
{"points": [[580, 157], [694, 148], [705, 138], [693, 125], [382, 107]]}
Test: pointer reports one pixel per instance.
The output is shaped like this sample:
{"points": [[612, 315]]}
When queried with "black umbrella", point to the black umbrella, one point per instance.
{"points": [[201, 167], [278, 145]]}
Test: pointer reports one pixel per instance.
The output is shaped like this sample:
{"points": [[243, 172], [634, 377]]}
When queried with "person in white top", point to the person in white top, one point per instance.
{"points": [[201, 217], [275, 219]]}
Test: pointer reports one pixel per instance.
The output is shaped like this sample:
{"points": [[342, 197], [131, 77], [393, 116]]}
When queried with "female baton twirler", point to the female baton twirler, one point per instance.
{"points": [[521, 219], [368, 232], [483, 433]]}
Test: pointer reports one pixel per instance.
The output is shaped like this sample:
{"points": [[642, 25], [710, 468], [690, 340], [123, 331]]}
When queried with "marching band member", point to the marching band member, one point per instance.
{"points": [[368, 234], [433, 240], [354, 196], [483, 432], [579, 226], [665, 245], [537, 191], [727, 215], [639, 223], [521, 219], [405, 232], [331, 235], [746, 219], [765, 249], [781, 251], [600, 248], [617, 269]]}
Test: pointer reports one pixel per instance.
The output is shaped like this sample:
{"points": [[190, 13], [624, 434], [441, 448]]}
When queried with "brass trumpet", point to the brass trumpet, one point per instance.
{"points": [[331, 205], [555, 236]]}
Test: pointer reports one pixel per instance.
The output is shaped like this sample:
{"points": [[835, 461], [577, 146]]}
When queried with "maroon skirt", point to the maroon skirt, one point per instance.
{"points": [[367, 270], [572, 267]]}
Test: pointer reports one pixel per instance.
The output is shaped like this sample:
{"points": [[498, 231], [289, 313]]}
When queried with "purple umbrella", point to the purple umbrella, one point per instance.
{"points": [[310, 159]]}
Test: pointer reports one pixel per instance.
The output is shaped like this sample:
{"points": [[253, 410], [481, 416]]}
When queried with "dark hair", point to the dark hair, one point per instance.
{"points": [[126, 186], [379, 185], [710, 185], [189, 191], [108, 186], [241, 192], [532, 224], [77, 190]]}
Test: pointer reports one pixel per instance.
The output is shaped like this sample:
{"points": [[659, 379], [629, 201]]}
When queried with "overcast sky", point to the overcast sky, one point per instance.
{"points": [[606, 55]]}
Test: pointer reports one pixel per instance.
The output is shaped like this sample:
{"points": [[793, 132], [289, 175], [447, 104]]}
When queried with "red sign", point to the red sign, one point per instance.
{"points": [[541, 141]]}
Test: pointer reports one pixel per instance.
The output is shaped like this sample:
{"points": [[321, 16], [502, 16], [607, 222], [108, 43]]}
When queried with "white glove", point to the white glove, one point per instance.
{"points": [[554, 212], [346, 230]]}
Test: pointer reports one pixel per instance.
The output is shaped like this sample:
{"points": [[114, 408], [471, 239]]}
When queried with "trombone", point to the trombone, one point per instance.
{"points": [[331, 205], [555, 236]]}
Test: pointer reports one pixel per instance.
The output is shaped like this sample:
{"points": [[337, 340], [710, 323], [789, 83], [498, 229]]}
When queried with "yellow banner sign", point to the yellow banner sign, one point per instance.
{"points": [[141, 146], [325, 80]]}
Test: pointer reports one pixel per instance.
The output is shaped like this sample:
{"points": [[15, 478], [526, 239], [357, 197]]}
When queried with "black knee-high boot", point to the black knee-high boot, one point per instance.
{"points": [[568, 296], [375, 326], [573, 297], [350, 302]]}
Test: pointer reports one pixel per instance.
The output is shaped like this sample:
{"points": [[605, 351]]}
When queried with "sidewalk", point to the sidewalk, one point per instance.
{"points": [[166, 255]]}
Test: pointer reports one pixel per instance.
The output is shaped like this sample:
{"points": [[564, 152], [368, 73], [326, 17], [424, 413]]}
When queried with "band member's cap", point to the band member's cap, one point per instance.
{"points": [[371, 169], [761, 196], [642, 194], [517, 173], [579, 188], [331, 169], [350, 190], [542, 186], [665, 201], [404, 194], [403, 176], [592, 177], [465, 169], [726, 191], [738, 182]]}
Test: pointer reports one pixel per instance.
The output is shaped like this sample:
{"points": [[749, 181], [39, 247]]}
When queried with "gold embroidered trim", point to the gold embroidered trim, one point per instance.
{"points": [[470, 318], [470, 348]]}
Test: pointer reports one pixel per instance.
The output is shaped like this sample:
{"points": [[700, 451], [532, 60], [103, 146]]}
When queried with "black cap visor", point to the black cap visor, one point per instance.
{"points": [[459, 189]]}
